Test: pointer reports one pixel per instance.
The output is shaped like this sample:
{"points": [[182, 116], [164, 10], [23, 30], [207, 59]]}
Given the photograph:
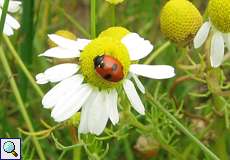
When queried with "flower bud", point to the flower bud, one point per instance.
{"points": [[180, 21]]}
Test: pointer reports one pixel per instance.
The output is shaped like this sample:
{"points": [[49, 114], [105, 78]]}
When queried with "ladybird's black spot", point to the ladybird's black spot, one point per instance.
{"points": [[108, 77], [114, 67], [98, 61]]}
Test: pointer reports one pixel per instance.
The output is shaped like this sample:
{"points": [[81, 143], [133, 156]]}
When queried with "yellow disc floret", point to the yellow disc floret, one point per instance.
{"points": [[219, 13], [63, 33], [180, 20], [98, 47], [115, 32]]}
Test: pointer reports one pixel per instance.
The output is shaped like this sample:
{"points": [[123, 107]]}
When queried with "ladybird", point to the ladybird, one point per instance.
{"points": [[108, 68]]}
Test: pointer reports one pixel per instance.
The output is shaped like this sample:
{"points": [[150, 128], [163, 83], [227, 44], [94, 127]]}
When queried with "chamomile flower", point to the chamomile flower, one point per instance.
{"points": [[106, 64], [11, 23], [219, 26]]}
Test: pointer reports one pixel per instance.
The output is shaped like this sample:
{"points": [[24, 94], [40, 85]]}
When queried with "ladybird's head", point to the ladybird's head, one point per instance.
{"points": [[98, 61]]}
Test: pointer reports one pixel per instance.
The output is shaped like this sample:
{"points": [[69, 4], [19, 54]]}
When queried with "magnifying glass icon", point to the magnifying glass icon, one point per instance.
{"points": [[9, 147]]}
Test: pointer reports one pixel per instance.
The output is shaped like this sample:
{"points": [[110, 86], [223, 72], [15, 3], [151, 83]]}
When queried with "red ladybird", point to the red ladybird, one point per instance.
{"points": [[108, 68]]}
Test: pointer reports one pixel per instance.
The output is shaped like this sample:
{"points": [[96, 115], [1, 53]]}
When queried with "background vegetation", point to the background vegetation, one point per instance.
{"points": [[198, 96]]}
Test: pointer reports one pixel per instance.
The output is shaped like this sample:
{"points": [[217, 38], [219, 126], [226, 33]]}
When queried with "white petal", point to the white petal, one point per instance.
{"points": [[202, 35], [63, 42], [1, 3], [153, 71], [227, 40], [64, 100], [217, 49], [79, 44], [138, 83], [112, 106], [57, 92], [14, 6], [71, 103], [7, 30], [58, 52], [137, 46], [41, 79], [11, 21], [58, 72], [133, 96], [98, 114], [83, 126]]}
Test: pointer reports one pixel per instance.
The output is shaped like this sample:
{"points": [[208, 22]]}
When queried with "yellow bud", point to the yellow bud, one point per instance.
{"points": [[219, 13], [180, 21], [115, 1], [74, 120]]}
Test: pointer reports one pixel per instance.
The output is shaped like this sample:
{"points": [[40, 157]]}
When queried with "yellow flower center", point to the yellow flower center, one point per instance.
{"points": [[180, 20], [114, 32], [104, 45], [219, 13]]}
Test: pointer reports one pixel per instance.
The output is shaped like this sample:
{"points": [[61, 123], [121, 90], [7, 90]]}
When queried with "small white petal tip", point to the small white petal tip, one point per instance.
{"points": [[41, 78]]}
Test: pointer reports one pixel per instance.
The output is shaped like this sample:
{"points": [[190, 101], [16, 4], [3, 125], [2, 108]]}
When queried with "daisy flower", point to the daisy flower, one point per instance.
{"points": [[219, 26], [106, 64], [11, 23]]}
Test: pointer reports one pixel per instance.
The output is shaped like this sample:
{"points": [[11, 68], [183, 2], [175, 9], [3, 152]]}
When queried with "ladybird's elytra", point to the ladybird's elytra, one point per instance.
{"points": [[108, 68]]}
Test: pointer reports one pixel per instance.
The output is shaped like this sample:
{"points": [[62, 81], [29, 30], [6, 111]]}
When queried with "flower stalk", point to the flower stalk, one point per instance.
{"points": [[113, 10], [93, 18]]}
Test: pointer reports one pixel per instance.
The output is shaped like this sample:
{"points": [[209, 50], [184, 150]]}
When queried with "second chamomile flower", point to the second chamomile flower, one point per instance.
{"points": [[106, 64], [11, 23], [219, 26]]}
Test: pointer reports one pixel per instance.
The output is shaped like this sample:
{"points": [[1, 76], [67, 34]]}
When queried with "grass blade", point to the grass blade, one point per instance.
{"points": [[26, 46]]}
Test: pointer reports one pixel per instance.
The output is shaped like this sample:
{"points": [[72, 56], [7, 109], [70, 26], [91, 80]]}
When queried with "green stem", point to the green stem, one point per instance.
{"points": [[20, 102], [62, 155], [26, 43], [128, 151], [157, 52], [77, 153], [3, 17], [113, 10], [23, 67], [75, 23], [93, 18], [183, 129]]}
